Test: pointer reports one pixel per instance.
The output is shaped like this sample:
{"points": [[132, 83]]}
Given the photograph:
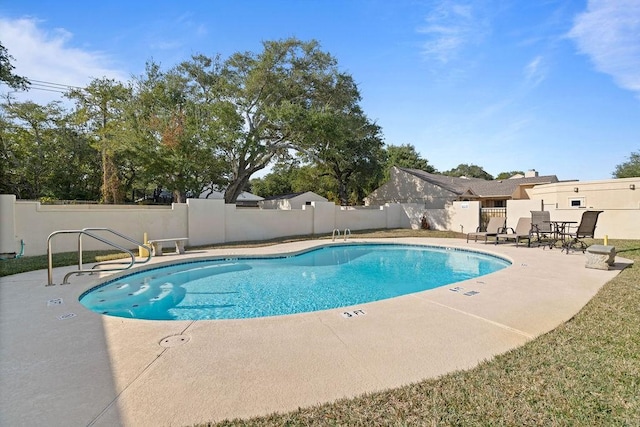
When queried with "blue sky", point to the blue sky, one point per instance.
{"points": [[549, 85]]}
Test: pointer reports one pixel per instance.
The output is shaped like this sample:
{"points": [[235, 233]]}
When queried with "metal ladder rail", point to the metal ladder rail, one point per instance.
{"points": [[135, 242], [347, 230], [333, 234], [80, 270]]}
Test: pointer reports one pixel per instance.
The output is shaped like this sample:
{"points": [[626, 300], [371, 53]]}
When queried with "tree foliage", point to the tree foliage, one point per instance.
{"points": [[28, 149], [470, 171], [100, 112], [405, 156], [6, 71], [345, 144], [43, 155], [272, 93], [276, 183], [177, 125], [630, 168], [289, 177], [507, 175], [207, 122]]}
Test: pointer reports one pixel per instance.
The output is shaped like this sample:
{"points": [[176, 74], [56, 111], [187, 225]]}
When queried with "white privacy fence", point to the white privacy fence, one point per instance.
{"points": [[202, 221], [206, 222]]}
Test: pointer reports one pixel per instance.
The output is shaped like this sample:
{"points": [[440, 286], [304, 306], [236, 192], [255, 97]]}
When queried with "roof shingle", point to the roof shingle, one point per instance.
{"points": [[477, 186]]}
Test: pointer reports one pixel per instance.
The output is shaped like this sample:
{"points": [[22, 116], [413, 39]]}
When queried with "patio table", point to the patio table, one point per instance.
{"points": [[560, 232]]}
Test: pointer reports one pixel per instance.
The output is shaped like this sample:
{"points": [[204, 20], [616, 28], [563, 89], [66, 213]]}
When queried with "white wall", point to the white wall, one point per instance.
{"points": [[607, 194], [263, 224], [456, 216], [7, 225], [617, 224], [412, 214], [517, 209], [614, 223], [203, 221], [619, 199], [360, 218], [34, 222], [464, 216], [206, 221], [324, 218], [395, 215]]}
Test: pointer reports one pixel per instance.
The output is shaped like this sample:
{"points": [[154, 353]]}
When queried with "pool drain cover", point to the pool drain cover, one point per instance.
{"points": [[174, 340]]}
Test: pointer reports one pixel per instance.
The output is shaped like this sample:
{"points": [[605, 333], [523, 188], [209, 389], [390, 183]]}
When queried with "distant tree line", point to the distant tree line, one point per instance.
{"points": [[205, 122], [630, 168]]}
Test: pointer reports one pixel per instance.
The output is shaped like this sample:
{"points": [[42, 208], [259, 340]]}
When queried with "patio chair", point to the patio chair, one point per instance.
{"points": [[586, 229], [541, 227], [495, 225], [521, 232]]}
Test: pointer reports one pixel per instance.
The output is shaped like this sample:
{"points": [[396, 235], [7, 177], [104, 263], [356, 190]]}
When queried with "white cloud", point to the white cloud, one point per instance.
{"points": [[450, 27], [47, 56], [609, 33], [535, 71]]}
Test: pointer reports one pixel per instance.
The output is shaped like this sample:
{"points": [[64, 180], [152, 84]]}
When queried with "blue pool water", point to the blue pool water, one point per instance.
{"points": [[324, 278]]}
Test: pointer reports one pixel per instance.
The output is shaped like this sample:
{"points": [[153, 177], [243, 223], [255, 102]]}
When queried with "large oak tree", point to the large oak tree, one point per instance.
{"points": [[274, 93]]}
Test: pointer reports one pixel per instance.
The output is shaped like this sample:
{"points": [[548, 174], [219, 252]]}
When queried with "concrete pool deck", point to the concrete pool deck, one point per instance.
{"points": [[63, 365]]}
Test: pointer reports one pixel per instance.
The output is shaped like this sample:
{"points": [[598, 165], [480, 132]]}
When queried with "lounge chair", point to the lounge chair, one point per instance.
{"points": [[521, 232], [586, 229], [495, 225], [541, 227]]}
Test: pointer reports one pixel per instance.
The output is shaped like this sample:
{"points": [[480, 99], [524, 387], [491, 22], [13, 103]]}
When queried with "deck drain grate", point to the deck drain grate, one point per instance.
{"points": [[67, 316], [174, 340]]}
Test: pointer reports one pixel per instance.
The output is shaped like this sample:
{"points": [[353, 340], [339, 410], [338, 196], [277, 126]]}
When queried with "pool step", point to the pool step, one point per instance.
{"points": [[145, 300]]}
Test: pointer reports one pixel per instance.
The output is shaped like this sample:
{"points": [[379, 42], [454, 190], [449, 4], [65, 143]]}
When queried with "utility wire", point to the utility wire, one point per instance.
{"points": [[58, 86], [50, 86]]}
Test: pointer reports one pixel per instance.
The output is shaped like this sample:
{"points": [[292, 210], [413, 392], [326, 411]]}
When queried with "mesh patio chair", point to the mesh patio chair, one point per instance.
{"points": [[494, 226], [541, 228], [586, 229], [521, 232]]}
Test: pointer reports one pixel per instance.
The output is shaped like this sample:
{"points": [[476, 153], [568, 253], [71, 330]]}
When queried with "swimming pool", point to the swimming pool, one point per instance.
{"points": [[319, 279]]}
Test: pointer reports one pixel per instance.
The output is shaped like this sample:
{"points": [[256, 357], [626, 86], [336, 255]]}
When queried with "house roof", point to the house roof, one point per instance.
{"points": [[245, 195], [454, 184], [213, 194], [284, 196], [292, 195], [479, 187]]}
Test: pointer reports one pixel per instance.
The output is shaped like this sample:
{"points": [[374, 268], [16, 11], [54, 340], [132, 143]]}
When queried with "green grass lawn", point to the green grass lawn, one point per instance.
{"points": [[40, 262], [584, 373]]}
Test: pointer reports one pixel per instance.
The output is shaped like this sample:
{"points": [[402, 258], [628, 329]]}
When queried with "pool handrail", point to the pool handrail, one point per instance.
{"points": [[347, 231], [333, 234], [86, 231], [144, 245]]}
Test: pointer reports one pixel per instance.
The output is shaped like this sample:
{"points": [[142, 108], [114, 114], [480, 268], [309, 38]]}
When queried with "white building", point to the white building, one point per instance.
{"points": [[291, 201]]}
